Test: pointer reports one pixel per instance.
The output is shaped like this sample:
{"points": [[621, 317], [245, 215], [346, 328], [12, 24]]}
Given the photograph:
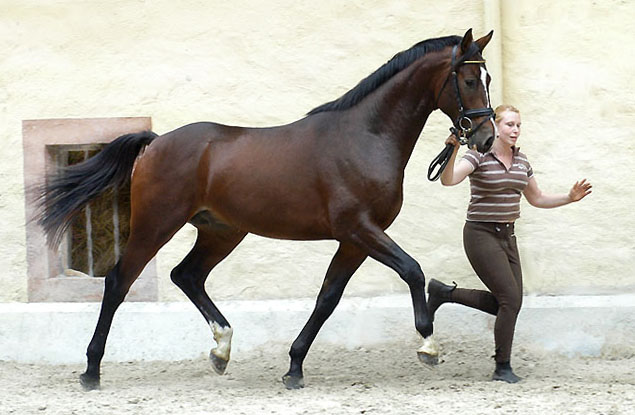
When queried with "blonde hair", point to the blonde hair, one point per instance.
{"points": [[501, 109]]}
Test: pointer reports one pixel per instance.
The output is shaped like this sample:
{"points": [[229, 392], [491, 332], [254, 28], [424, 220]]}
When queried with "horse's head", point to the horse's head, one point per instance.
{"points": [[464, 94]]}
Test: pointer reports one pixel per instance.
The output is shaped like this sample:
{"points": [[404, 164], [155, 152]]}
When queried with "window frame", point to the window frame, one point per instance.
{"points": [[46, 281]]}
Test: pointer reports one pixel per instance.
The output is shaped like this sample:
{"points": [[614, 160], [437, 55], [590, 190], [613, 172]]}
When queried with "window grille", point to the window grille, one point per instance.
{"points": [[95, 240]]}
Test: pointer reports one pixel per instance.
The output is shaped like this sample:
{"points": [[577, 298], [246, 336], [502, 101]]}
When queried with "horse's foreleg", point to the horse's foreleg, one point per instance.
{"points": [[211, 247], [380, 247], [346, 261]]}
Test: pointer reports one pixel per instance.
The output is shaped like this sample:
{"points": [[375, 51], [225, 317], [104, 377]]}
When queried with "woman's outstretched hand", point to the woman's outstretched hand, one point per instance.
{"points": [[580, 190]]}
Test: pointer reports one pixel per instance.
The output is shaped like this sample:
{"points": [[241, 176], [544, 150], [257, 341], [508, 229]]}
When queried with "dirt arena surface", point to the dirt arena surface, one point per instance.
{"points": [[384, 379]]}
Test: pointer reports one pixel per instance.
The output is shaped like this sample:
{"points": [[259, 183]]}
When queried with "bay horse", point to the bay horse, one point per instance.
{"points": [[335, 174]]}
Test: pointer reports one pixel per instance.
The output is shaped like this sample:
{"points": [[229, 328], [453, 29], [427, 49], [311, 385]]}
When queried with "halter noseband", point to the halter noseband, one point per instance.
{"points": [[463, 126]]}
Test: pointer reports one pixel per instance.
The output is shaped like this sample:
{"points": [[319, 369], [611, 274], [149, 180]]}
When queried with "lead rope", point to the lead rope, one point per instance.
{"points": [[442, 159]]}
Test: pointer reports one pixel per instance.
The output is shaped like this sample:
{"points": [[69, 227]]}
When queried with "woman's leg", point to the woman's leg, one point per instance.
{"points": [[482, 300], [493, 253], [440, 293]]}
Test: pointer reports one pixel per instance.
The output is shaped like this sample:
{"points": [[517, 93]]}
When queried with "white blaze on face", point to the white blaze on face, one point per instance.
{"points": [[484, 81], [223, 338]]}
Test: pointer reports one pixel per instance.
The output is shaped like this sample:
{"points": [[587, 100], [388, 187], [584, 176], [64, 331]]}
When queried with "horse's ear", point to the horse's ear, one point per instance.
{"points": [[482, 42], [467, 41]]}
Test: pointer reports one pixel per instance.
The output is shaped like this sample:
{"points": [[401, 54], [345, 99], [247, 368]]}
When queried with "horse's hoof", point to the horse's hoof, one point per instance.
{"points": [[293, 382], [428, 359], [89, 383], [428, 353], [219, 365]]}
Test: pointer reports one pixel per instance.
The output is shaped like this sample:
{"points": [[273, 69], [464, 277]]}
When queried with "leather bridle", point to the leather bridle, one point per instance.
{"points": [[463, 126]]}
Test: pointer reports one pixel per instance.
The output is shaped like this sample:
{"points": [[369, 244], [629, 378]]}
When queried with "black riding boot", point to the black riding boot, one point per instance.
{"points": [[438, 293], [504, 372]]}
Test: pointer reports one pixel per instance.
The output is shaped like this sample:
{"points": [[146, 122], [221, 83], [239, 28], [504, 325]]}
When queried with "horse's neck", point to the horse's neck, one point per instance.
{"points": [[400, 108]]}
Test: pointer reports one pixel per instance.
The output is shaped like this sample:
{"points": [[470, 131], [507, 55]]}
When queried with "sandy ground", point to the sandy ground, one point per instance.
{"points": [[379, 380]]}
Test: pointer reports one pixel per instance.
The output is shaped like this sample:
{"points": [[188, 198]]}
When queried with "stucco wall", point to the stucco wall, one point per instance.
{"points": [[566, 68], [268, 63]]}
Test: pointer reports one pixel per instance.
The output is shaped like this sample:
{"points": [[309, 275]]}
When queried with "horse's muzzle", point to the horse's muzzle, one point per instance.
{"points": [[484, 147]]}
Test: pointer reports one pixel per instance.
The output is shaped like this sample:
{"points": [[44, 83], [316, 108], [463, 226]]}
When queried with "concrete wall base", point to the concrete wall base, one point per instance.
{"points": [[58, 333]]}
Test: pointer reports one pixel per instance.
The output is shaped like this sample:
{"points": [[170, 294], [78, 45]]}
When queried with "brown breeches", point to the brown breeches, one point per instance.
{"points": [[491, 249]]}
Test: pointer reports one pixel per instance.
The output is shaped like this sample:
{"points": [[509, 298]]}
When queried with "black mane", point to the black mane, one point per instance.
{"points": [[373, 81]]}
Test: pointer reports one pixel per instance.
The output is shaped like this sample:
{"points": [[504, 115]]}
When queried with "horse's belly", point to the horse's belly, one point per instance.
{"points": [[283, 228], [280, 219]]}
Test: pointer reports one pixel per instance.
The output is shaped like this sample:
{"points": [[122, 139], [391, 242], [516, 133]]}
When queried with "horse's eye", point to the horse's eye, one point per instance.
{"points": [[470, 83]]}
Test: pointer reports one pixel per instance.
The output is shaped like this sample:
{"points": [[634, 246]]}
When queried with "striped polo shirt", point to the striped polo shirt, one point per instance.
{"points": [[495, 191]]}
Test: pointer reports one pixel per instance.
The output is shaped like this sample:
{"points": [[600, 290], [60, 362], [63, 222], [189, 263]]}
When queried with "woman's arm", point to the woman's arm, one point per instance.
{"points": [[537, 198], [455, 173]]}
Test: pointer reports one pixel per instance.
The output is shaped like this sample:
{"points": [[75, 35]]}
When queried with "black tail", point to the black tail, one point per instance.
{"points": [[65, 194]]}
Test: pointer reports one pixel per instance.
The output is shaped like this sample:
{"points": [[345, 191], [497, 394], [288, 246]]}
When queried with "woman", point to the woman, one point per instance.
{"points": [[497, 179]]}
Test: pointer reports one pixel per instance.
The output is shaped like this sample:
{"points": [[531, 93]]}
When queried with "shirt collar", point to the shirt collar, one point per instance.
{"points": [[515, 151]]}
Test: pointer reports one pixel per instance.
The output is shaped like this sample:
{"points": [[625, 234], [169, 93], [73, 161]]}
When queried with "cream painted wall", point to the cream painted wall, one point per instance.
{"points": [[268, 63], [567, 68]]}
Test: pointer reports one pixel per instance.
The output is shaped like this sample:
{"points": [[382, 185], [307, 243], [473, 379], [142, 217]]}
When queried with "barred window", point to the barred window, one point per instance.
{"points": [[95, 241]]}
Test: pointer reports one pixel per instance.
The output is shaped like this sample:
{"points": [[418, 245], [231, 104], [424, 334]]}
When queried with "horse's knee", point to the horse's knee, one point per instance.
{"points": [[414, 275]]}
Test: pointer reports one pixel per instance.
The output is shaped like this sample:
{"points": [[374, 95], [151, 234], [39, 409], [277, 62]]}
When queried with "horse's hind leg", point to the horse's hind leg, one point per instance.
{"points": [[149, 232], [212, 245], [346, 261]]}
